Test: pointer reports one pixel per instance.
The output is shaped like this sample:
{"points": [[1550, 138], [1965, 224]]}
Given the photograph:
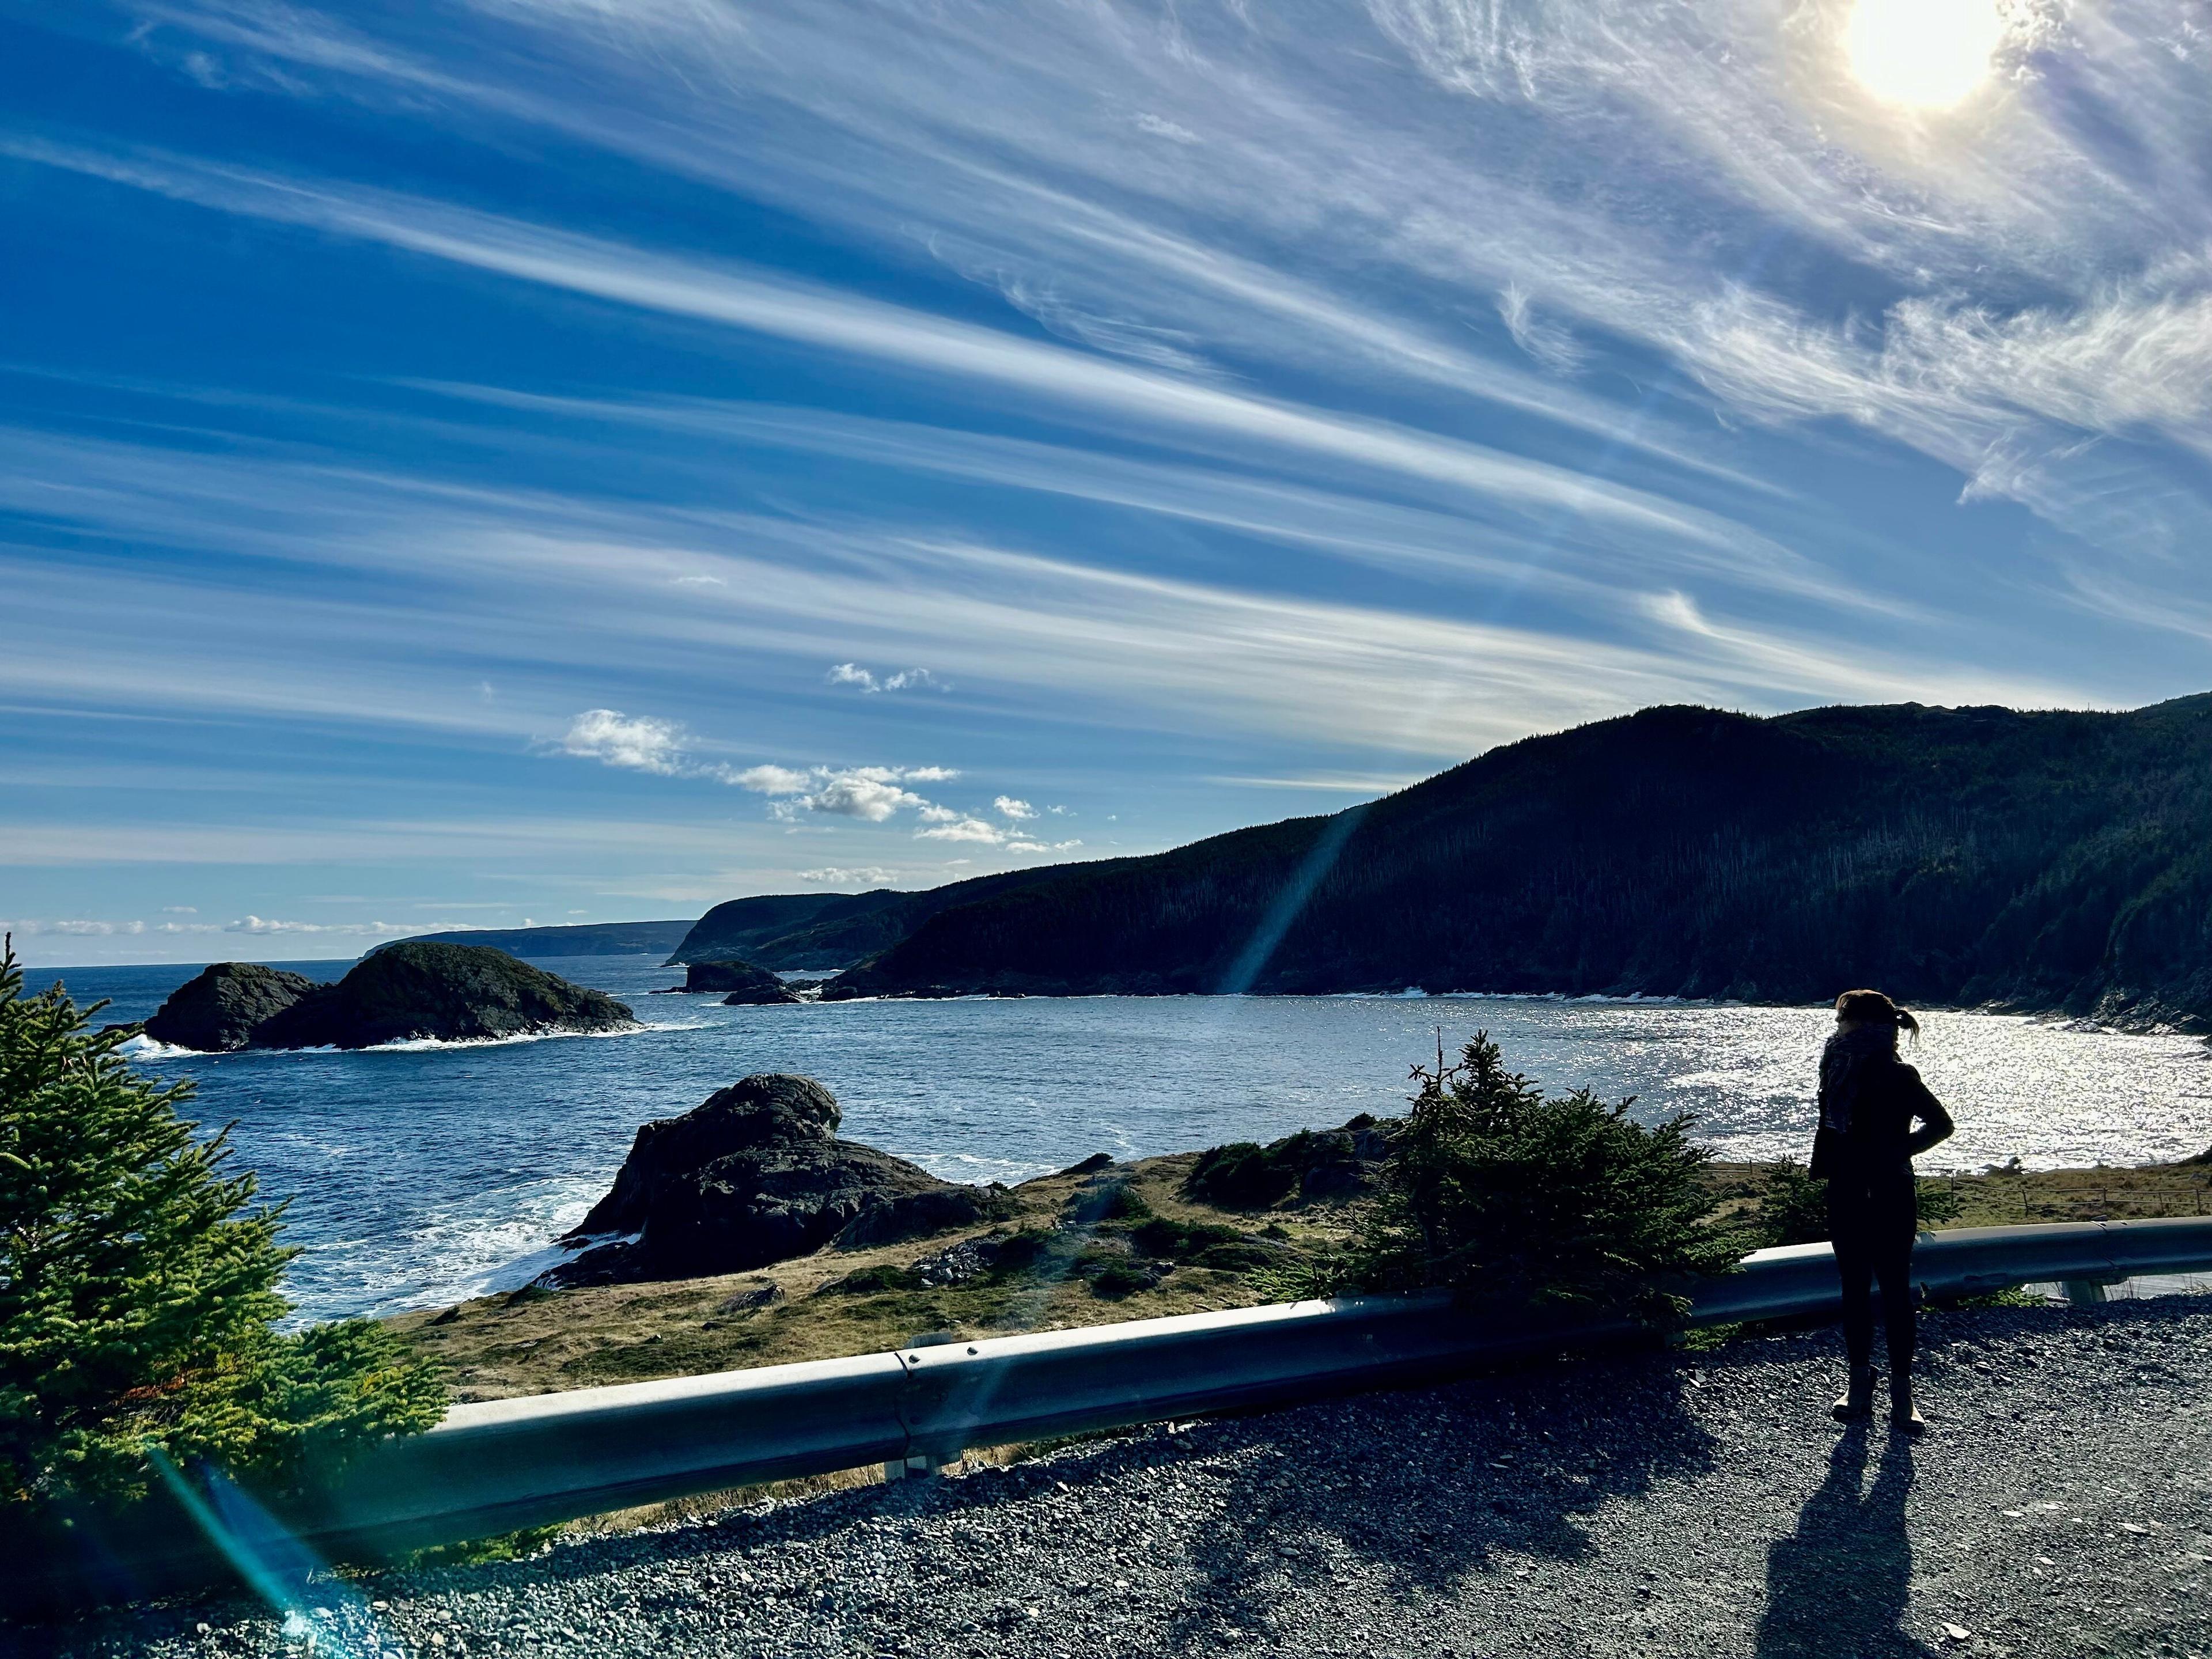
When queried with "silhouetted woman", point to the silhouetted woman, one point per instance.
{"points": [[1869, 1100]]}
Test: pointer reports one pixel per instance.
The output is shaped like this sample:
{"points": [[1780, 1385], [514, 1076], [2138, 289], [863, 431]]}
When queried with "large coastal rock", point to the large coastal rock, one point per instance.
{"points": [[756, 1175], [448, 993], [220, 1010], [744, 983]]}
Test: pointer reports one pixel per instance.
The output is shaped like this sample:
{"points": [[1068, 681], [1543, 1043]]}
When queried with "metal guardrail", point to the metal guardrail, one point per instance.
{"points": [[496, 1466]]}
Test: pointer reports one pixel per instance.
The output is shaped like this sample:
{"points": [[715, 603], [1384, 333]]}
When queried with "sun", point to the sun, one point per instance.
{"points": [[1929, 54]]}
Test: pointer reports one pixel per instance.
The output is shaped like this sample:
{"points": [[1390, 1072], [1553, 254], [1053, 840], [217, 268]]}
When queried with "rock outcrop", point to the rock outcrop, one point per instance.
{"points": [[1313, 1164], [447, 992], [744, 983], [220, 1008], [756, 1175]]}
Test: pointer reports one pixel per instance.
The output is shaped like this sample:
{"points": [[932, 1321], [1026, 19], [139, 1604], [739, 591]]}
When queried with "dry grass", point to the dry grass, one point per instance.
{"points": [[539, 1342], [2007, 1197]]}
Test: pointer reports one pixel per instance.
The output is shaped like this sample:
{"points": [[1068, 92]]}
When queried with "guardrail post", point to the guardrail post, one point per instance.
{"points": [[2081, 1290]]}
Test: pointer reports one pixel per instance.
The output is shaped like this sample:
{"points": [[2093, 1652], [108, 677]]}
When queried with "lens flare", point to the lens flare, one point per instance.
{"points": [[1929, 54]]}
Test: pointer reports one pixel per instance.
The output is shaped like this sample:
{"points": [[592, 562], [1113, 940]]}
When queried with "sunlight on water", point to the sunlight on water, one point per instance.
{"points": [[422, 1172]]}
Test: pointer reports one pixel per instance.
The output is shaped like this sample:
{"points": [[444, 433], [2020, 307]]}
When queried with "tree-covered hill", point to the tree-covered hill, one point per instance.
{"points": [[2045, 860], [590, 938], [833, 930]]}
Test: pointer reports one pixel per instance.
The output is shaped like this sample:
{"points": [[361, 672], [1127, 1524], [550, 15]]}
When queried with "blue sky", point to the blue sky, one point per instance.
{"points": [[580, 460]]}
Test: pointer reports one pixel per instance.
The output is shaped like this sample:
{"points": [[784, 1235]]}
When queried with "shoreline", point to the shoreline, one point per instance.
{"points": [[2035, 1013]]}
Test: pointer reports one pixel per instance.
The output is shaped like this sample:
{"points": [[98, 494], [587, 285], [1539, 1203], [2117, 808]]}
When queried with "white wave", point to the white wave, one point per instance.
{"points": [[423, 1045], [143, 1047]]}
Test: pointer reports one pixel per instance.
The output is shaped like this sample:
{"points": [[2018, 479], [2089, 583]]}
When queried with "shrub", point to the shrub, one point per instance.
{"points": [[1119, 1279], [1237, 1258], [1017, 1253], [1301, 1275], [874, 1281], [1794, 1208], [1241, 1176], [1180, 1241], [1492, 1185], [1107, 1200], [1936, 1202], [138, 1298]]}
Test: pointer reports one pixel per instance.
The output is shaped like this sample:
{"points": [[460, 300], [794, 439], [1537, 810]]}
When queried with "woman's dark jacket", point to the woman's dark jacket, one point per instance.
{"points": [[1869, 1101]]}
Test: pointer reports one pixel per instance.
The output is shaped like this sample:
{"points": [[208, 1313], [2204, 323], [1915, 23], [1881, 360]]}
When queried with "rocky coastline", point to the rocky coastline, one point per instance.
{"points": [[756, 1175]]}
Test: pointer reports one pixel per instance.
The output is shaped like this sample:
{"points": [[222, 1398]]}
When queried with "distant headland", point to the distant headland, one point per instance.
{"points": [[2047, 861]]}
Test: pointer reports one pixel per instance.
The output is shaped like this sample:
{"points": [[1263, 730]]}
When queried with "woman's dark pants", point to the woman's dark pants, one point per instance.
{"points": [[1872, 1220]]}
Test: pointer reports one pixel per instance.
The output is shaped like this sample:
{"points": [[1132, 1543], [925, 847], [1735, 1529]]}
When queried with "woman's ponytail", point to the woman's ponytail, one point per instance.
{"points": [[1873, 1008]]}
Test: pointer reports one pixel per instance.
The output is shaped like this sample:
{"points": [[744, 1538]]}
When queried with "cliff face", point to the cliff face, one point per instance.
{"points": [[2058, 861]]}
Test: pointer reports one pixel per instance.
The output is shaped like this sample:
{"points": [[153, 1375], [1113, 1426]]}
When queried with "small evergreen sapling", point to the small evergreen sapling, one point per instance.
{"points": [[1492, 1185], [138, 1294], [1794, 1208]]}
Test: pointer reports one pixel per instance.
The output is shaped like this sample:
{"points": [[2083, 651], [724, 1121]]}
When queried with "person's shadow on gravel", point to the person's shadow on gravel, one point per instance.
{"points": [[1432, 1487], [1836, 1588]]}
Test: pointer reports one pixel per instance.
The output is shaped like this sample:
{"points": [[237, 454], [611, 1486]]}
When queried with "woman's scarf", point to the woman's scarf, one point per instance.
{"points": [[1845, 1064]]}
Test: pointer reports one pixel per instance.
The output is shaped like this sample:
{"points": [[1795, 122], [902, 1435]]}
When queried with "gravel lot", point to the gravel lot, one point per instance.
{"points": [[1648, 1504]]}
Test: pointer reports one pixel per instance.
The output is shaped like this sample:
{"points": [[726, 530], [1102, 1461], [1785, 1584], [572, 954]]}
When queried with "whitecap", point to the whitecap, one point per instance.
{"points": [[143, 1047], [424, 1045]]}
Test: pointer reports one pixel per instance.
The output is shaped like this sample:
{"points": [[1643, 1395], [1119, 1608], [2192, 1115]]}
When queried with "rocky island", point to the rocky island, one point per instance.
{"points": [[411, 991], [745, 984]]}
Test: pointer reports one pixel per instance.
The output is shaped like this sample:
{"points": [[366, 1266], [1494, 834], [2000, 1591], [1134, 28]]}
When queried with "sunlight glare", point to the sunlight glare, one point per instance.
{"points": [[1930, 54]]}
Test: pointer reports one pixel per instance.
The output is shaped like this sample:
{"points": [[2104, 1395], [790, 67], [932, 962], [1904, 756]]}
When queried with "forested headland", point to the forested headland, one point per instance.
{"points": [[2045, 860]]}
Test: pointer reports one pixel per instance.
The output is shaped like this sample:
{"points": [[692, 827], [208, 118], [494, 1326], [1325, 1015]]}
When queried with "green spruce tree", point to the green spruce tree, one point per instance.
{"points": [[1494, 1186], [138, 1294]]}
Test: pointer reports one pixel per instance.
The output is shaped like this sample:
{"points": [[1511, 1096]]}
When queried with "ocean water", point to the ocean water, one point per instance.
{"points": [[421, 1173]]}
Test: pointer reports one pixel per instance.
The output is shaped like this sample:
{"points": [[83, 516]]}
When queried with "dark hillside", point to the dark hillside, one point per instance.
{"points": [[590, 939], [741, 928], [841, 929], [2044, 860]]}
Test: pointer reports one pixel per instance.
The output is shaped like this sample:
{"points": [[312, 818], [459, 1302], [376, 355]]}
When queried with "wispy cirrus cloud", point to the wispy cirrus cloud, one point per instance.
{"points": [[1938, 280], [1305, 395]]}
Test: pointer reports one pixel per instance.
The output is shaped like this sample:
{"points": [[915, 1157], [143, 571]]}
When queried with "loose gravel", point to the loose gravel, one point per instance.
{"points": [[1639, 1504]]}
